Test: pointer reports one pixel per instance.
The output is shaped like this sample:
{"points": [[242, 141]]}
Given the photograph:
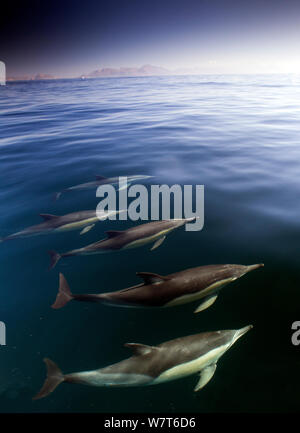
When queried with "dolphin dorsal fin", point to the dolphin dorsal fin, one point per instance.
{"points": [[113, 233], [48, 216], [150, 278], [140, 349], [100, 177]]}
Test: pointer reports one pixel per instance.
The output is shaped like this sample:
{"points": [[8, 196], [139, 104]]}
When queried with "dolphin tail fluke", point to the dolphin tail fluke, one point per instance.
{"points": [[64, 293], [53, 379], [57, 196], [54, 258]]}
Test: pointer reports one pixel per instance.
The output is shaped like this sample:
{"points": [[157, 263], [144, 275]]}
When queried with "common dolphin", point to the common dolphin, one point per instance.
{"points": [[203, 282], [101, 180], [84, 220], [152, 365], [134, 237]]}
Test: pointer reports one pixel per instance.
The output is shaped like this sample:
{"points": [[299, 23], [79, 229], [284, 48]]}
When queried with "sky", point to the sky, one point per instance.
{"points": [[71, 37]]}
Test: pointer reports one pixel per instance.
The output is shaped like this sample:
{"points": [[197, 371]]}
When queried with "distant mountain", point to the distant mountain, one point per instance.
{"points": [[36, 77], [128, 71], [44, 77], [103, 72]]}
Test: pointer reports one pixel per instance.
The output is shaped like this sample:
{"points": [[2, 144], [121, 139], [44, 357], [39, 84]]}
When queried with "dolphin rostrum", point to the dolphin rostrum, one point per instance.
{"points": [[101, 180], [151, 365], [84, 220], [134, 237], [203, 282]]}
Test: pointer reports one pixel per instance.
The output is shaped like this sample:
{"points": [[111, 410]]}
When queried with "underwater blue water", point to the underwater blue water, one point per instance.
{"points": [[237, 135]]}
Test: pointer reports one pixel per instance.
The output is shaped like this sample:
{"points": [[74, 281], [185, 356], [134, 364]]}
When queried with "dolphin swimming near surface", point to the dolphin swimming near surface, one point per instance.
{"points": [[201, 283], [134, 237], [101, 180], [84, 220], [152, 365]]}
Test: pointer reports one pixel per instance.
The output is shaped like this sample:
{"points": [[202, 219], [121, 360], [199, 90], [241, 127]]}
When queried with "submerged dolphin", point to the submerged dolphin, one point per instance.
{"points": [[84, 220], [101, 180], [151, 365], [203, 282], [131, 238]]}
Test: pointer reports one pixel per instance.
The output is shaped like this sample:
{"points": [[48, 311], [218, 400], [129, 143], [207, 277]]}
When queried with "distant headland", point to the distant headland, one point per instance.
{"points": [[145, 70]]}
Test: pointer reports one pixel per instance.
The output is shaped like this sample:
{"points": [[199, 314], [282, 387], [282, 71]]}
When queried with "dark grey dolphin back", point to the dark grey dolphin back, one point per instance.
{"points": [[167, 355]]}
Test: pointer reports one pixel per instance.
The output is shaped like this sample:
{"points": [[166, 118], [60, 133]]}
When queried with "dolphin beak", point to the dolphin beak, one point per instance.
{"points": [[249, 268], [240, 332], [189, 220], [182, 221], [252, 267]]}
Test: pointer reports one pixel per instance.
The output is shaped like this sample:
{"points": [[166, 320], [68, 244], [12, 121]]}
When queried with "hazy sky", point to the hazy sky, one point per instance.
{"points": [[75, 37]]}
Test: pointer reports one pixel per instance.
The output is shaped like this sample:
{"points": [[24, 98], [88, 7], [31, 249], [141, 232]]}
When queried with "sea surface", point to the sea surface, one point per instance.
{"points": [[239, 136]]}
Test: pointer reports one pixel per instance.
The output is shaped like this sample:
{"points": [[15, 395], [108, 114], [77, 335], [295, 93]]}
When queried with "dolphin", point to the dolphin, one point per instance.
{"points": [[84, 220], [101, 180], [203, 282], [134, 237], [152, 365]]}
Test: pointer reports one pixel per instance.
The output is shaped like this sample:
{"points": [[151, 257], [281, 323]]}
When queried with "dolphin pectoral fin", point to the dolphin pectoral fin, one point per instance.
{"points": [[87, 229], [158, 243], [124, 186], [205, 375], [208, 301]]}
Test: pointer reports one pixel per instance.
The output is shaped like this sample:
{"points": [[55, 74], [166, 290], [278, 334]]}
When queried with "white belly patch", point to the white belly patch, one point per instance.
{"points": [[147, 240], [184, 299], [192, 367], [77, 224]]}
